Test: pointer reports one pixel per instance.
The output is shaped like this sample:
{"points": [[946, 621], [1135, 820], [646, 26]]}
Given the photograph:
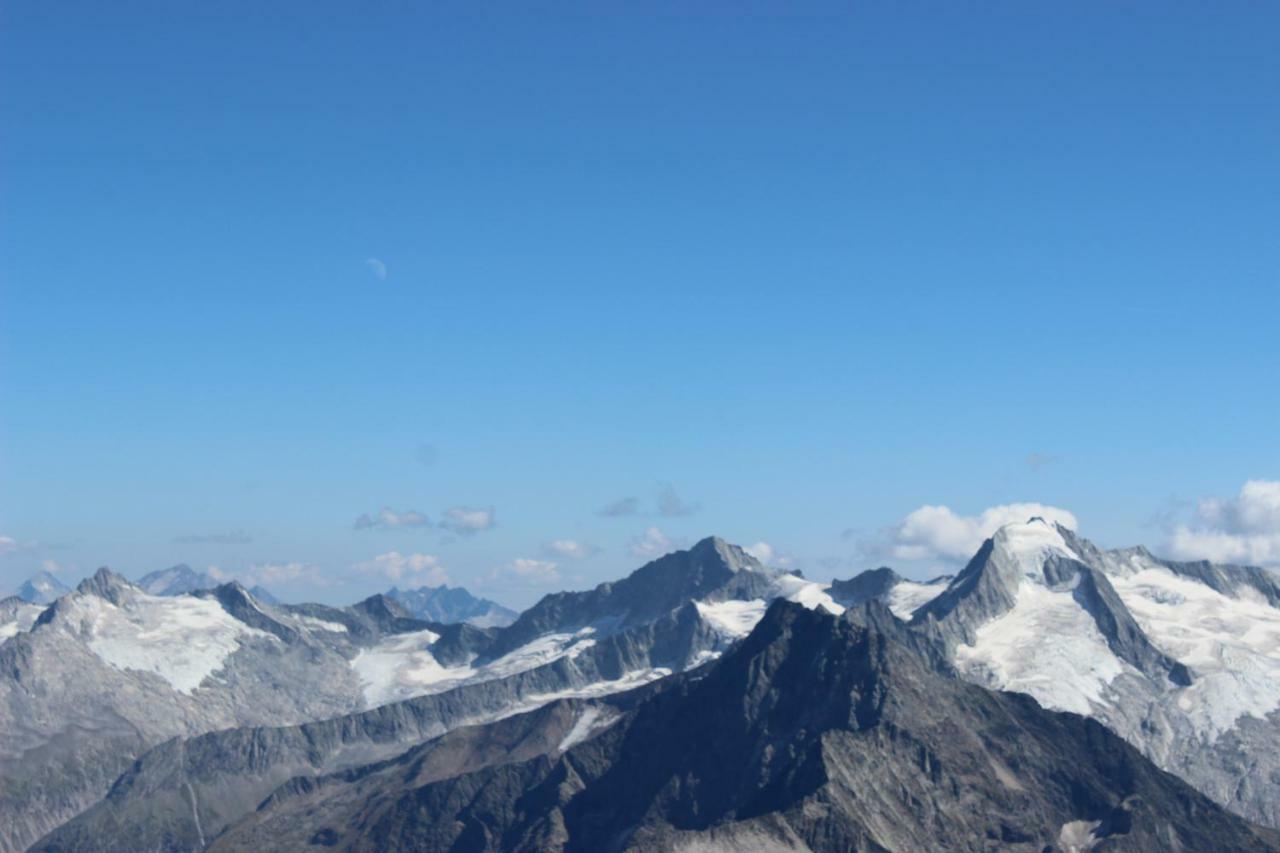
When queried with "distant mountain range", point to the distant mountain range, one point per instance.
{"points": [[182, 579], [452, 604], [41, 588], [689, 697]]}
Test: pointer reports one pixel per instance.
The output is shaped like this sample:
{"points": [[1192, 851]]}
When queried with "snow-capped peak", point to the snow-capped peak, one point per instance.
{"points": [[1029, 544]]}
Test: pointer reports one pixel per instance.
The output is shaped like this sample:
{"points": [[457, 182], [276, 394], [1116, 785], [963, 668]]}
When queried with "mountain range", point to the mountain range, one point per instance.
{"points": [[1033, 701], [452, 604]]}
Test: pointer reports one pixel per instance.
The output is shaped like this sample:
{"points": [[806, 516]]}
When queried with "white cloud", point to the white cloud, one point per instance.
{"points": [[571, 549], [377, 267], [408, 569], [465, 520], [387, 518], [769, 556], [1243, 529], [652, 543], [935, 532], [51, 566], [528, 571], [8, 544]]}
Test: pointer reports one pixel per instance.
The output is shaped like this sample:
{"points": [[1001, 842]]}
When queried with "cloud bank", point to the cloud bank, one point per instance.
{"points": [[1243, 529]]}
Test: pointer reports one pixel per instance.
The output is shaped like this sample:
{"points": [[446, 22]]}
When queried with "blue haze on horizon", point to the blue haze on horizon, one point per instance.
{"points": [[780, 274]]}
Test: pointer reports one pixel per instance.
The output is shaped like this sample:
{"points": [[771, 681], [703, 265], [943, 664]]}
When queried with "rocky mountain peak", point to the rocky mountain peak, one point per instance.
{"points": [[106, 584]]}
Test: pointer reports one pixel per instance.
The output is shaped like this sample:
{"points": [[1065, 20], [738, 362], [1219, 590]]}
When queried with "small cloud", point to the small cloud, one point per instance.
{"points": [[935, 532], [528, 571], [406, 569], [570, 549], [388, 518], [620, 508], [768, 555], [671, 505], [465, 520], [8, 544], [426, 454], [51, 566], [1243, 529], [377, 267], [1038, 461], [652, 543], [235, 537]]}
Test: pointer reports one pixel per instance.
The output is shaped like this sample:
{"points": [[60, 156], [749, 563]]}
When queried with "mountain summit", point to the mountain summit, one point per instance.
{"points": [[41, 588]]}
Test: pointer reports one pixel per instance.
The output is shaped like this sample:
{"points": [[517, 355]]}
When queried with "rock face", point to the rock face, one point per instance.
{"points": [[817, 732], [1180, 659], [446, 604], [41, 588]]}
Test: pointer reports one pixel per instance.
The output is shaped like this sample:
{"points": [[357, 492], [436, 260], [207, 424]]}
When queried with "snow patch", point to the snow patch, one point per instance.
{"points": [[1232, 645], [1030, 544], [183, 640], [906, 597], [589, 723], [809, 593], [401, 666], [1048, 646], [732, 619], [20, 621], [318, 624]]}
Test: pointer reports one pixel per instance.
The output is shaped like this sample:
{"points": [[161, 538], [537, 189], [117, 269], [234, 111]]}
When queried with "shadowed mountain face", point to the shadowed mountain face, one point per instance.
{"points": [[817, 732], [446, 604]]}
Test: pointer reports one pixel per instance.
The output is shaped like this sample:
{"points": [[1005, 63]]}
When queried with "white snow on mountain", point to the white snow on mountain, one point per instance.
{"points": [[1030, 544], [908, 596], [402, 666], [183, 639], [24, 615], [314, 624], [590, 722], [1232, 645], [1047, 646], [809, 593], [732, 619]]}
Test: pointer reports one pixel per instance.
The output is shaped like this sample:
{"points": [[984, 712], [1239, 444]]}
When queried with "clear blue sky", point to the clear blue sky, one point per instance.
{"points": [[810, 265]]}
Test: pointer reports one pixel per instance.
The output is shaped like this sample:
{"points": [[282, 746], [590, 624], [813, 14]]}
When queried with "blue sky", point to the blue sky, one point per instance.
{"points": [[783, 274]]}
